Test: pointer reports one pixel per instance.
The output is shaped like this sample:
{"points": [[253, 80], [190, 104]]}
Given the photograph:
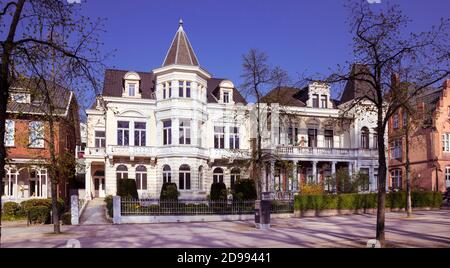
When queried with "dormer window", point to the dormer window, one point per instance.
{"points": [[131, 90], [131, 85], [21, 97], [315, 100], [324, 101], [226, 97]]}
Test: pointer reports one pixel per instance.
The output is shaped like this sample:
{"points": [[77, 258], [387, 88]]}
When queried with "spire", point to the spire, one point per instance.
{"points": [[180, 51]]}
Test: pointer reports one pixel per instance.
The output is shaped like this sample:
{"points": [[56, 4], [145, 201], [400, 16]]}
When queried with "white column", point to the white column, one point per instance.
{"points": [[295, 177], [87, 181], [46, 184], [40, 184], [272, 176], [350, 168], [333, 173], [372, 182], [175, 130], [9, 182], [16, 185], [314, 171]]}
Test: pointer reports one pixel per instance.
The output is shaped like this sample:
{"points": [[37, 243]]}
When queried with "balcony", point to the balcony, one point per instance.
{"points": [[132, 151], [338, 153], [94, 151], [229, 153]]}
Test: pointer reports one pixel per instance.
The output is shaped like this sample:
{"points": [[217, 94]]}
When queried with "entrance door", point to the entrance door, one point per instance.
{"points": [[99, 186]]}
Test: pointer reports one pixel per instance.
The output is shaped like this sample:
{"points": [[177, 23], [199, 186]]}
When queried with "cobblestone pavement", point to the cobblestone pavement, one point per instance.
{"points": [[424, 229]]}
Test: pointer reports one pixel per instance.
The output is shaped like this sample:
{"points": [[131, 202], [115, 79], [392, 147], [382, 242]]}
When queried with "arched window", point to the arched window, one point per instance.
{"points": [[218, 175], [200, 177], [141, 178], [167, 174], [122, 172], [365, 138], [235, 176], [184, 178]]}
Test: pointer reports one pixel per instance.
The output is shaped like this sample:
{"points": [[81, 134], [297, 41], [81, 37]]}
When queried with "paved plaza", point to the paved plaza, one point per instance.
{"points": [[424, 229]]}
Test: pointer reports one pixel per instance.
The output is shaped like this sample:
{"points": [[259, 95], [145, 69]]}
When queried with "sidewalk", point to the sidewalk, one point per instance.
{"points": [[425, 229]]}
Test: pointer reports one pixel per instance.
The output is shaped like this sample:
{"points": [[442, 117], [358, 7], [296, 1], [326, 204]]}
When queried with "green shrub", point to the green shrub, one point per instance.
{"points": [[11, 209], [365, 201], [245, 190], [127, 188], [169, 191], [218, 191], [39, 214], [109, 205], [28, 204], [66, 218]]}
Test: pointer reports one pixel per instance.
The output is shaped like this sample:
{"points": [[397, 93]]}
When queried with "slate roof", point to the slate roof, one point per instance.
{"points": [[287, 96], [180, 51], [114, 83], [60, 96], [213, 92], [357, 88]]}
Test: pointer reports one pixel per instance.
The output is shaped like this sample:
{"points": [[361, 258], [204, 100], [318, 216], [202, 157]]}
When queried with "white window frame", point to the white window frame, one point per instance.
{"points": [[167, 174], [234, 138], [140, 176], [396, 175], [218, 176], [447, 176], [183, 175], [220, 136], [131, 86], [36, 136], [122, 131], [167, 132], [9, 132], [446, 142], [141, 140], [101, 141], [184, 131]]}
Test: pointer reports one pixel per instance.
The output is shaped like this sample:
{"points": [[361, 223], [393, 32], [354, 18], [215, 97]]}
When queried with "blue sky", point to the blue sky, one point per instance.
{"points": [[301, 36]]}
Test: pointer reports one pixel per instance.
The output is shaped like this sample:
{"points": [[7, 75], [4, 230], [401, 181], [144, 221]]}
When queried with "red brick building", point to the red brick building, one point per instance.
{"points": [[27, 139], [429, 143]]}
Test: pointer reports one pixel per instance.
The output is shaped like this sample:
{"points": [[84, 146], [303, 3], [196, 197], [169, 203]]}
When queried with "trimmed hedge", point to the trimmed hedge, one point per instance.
{"points": [[28, 204], [218, 191], [169, 191], [365, 201], [245, 190], [39, 214], [109, 205], [66, 218], [127, 188], [11, 209]]}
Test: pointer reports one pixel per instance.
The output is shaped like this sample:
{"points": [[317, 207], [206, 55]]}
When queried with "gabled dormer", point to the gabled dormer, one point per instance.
{"points": [[131, 82], [226, 92], [20, 96], [319, 96]]}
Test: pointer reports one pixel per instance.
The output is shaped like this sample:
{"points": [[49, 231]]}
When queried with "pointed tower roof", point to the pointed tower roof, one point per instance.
{"points": [[180, 51]]}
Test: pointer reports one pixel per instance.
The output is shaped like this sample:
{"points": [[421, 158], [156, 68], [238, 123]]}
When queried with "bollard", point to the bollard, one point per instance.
{"points": [[116, 209], [74, 210]]}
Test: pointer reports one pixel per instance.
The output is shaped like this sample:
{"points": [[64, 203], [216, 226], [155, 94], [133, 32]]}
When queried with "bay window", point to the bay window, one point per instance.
{"points": [[185, 132], [167, 132]]}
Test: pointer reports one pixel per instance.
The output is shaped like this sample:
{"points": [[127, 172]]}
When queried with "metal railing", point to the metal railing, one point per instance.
{"points": [[156, 207], [185, 207]]}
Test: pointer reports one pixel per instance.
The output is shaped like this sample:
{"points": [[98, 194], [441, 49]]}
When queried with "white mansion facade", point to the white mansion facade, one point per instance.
{"points": [[179, 124]]}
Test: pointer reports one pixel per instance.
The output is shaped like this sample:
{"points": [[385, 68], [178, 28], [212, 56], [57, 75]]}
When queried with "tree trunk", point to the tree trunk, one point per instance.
{"points": [[4, 88], [382, 171], [408, 174]]}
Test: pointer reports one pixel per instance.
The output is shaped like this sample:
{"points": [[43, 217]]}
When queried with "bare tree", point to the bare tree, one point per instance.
{"points": [[381, 48], [31, 27], [257, 77]]}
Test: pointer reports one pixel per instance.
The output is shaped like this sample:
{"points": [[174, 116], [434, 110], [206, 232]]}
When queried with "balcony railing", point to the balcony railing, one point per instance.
{"points": [[320, 151], [94, 151], [132, 150], [229, 153]]}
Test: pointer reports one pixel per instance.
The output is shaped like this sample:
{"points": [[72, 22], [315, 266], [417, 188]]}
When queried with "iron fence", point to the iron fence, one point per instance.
{"points": [[185, 207], [155, 207]]}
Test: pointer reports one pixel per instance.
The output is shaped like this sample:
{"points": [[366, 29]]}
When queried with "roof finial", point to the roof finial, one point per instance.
{"points": [[180, 22]]}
